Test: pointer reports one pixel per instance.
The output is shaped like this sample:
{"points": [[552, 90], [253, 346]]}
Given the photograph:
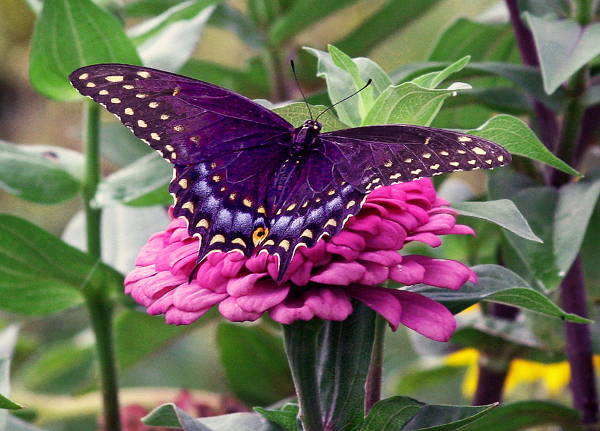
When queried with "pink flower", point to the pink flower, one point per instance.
{"points": [[321, 281]]}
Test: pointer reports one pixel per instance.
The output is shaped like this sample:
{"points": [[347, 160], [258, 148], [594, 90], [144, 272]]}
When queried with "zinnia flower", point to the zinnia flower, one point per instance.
{"points": [[321, 281]]}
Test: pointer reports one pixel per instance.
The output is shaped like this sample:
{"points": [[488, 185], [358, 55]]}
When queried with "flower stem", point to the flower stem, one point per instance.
{"points": [[490, 385], [301, 346], [98, 302], [92, 177], [374, 378], [278, 77]]}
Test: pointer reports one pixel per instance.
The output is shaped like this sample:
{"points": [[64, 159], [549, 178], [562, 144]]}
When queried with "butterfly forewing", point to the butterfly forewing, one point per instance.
{"points": [[185, 120], [372, 156]]}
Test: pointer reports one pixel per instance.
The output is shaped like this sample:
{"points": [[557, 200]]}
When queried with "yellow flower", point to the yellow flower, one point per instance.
{"points": [[554, 377]]}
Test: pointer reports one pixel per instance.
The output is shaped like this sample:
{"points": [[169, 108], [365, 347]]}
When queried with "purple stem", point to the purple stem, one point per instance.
{"points": [[546, 120], [490, 385], [490, 382], [579, 348]]}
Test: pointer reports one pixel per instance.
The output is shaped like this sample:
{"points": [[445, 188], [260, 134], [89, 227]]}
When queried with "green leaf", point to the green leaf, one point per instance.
{"points": [[344, 62], [482, 41], [514, 135], [393, 15], [125, 230], [60, 368], [142, 183], [391, 414], [433, 79], [345, 355], [538, 205], [16, 424], [576, 203], [527, 78], [40, 274], [167, 41], [525, 414], [407, 103], [563, 47], [73, 33], [38, 173], [340, 83], [119, 145], [231, 19], [138, 335], [8, 340], [497, 284], [253, 81], [297, 113], [502, 212], [406, 414], [301, 15], [169, 415], [286, 417], [5, 403], [255, 364]]}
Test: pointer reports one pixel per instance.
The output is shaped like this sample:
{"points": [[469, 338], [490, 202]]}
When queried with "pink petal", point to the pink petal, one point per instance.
{"points": [[291, 310], [233, 312], [408, 272], [340, 273], [328, 304], [424, 315], [379, 299], [450, 274]]}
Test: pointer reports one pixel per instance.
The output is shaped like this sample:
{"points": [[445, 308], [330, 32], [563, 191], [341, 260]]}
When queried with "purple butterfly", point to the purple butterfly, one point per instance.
{"points": [[246, 180]]}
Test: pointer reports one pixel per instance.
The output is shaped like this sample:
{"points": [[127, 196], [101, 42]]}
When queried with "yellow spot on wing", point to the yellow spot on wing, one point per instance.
{"points": [[434, 167], [426, 155], [115, 100], [179, 128], [387, 163], [454, 163], [84, 76], [291, 207], [472, 162], [247, 202], [153, 105], [444, 153], [143, 74], [189, 205], [103, 92], [155, 136], [331, 222], [464, 139], [307, 233], [169, 147], [261, 210], [259, 235], [183, 183], [142, 123], [202, 223], [350, 204], [416, 171], [285, 244], [478, 151], [239, 241], [129, 111], [114, 78], [128, 87], [217, 238], [90, 85], [500, 158], [164, 117]]}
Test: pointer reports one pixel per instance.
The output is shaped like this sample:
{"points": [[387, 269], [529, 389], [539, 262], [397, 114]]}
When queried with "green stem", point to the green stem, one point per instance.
{"points": [[100, 310], [278, 77], [98, 302], [584, 11], [301, 346], [92, 177], [373, 385]]}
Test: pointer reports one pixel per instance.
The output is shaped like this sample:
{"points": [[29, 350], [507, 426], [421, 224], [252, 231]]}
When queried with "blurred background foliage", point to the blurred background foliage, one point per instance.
{"points": [[246, 46]]}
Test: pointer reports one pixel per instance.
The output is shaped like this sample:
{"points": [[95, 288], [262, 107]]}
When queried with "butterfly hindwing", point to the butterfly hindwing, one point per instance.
{"points": [[314, 201], [372, 156]]}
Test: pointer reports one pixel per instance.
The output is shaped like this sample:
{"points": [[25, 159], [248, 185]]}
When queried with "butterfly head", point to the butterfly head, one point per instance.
{"points": [[312, 124]]}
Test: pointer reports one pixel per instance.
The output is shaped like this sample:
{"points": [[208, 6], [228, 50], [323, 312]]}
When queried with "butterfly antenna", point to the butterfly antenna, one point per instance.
{"points": [[346, 98], [300, 88]]}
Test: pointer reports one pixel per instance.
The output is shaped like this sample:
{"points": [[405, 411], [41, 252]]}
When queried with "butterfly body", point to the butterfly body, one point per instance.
{"points": [[248, 181]]}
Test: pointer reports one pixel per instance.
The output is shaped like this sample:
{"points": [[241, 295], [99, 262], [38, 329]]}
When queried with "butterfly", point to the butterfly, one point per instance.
{"points": [[248, 181]]}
